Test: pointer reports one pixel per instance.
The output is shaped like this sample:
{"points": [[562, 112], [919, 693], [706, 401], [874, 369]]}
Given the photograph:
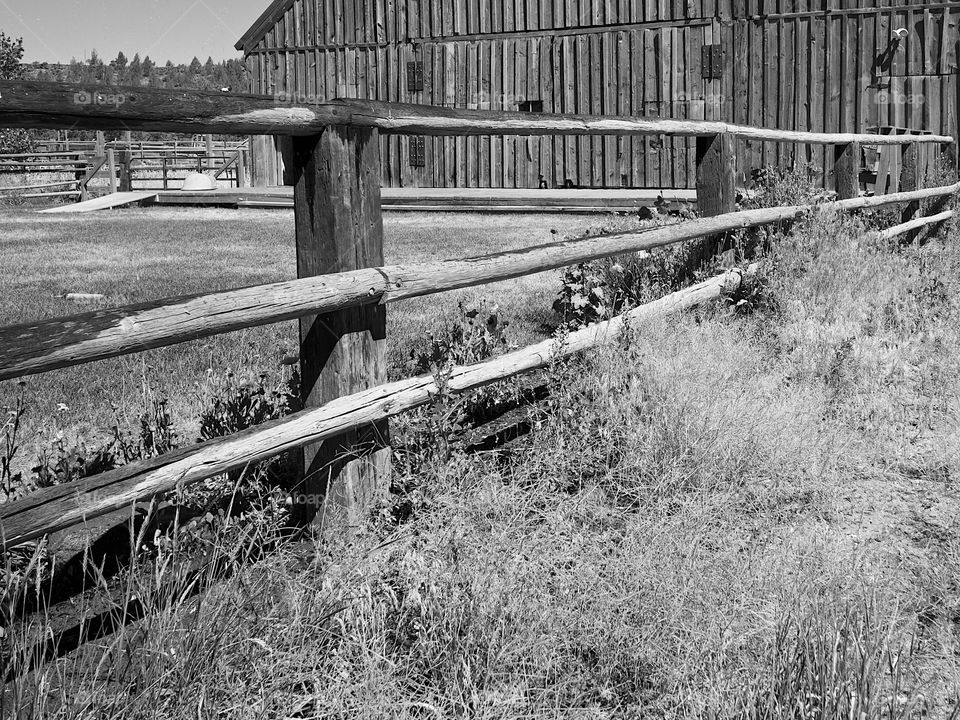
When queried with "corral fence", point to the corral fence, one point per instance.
{"points": [[343, 284], [124, 165]]}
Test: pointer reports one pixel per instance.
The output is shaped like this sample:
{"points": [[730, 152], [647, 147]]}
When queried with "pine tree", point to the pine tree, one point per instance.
{"points": [[11, 68], [135, 70]]}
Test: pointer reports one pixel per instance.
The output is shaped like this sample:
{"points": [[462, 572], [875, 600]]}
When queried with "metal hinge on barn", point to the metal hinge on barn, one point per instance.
{"points": [[712, 59]]}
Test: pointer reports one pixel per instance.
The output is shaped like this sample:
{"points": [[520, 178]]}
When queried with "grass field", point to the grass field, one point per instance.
{"points": [[137, 255], [725, 516]]}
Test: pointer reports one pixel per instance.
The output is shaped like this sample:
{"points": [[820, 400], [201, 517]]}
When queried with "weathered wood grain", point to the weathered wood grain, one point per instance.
{"points": [[64, 506], [49, 344], [65, 106], [916, 224], [846, 170], [339, 227], [716, 175]]}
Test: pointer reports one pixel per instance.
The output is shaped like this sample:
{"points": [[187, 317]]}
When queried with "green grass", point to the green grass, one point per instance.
{"points": [[724, 516]]}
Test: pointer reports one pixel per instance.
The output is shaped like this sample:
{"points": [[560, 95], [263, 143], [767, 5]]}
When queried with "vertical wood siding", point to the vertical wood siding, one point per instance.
{"points": [[786, 64]]}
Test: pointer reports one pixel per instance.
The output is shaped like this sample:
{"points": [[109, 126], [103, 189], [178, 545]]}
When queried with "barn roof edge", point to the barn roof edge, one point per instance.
{"points": [[263, 24]]}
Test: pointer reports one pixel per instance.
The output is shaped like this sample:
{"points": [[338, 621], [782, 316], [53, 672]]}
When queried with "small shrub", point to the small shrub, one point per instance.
{"points": [[583, 296], [776, 187], [477, 334], [236, 405], [599, 290]]}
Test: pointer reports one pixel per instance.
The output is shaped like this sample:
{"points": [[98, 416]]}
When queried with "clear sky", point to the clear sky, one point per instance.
{"points": [[178, 30]]}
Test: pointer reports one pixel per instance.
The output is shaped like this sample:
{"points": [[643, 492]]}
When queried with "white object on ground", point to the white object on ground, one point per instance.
{"points": [[84, 297], [195, 182]]}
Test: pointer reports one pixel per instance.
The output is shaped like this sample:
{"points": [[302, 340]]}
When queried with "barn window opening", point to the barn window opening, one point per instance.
{"points": [[414, 77], [531, 106], [418, 152]]}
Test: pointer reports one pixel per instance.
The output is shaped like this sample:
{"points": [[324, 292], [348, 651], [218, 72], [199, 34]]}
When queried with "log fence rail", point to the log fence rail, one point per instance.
{"points": [[343, 284]]}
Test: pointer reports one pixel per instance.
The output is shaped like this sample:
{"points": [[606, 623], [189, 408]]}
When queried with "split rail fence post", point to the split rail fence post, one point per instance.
{"points": [[716, 174], [716, 188], [112, 169], [846, 170], [910, 180], [339, 227], [126, 160]]}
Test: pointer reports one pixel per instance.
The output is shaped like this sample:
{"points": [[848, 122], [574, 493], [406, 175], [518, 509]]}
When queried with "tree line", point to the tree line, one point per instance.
{"points": [[139, 72], [144, 72]]}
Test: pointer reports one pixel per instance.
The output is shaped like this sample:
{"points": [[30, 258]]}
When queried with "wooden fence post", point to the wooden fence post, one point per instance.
{"points": [[910, 180], [716, 174], [126, 160], [846, 170], [339, 227], [78, 175], [716, 190], [242, 169], [112, 169]]}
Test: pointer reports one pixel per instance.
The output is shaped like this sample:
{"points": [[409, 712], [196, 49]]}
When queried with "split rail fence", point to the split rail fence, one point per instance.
{"points": [[343, 284]]}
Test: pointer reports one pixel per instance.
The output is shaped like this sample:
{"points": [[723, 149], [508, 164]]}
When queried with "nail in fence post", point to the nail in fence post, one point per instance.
{"points": [[339, 228]]}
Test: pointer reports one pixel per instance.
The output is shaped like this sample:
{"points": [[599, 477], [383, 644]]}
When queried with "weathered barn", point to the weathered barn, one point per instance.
{"points": [[822, 65]]}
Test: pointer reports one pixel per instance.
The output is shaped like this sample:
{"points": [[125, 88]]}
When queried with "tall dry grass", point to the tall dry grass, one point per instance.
{"points": [[724, 516]]}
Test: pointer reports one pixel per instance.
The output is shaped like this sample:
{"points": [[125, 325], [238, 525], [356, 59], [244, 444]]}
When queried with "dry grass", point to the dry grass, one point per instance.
{"points": [[723, 517]]}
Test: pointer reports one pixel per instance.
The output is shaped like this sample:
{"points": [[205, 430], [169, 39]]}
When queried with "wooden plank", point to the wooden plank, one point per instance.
{"points": [[571, 162], [817, 59], [118, 199], [509, 68], [485, 82], [609, 99], [340, 228], [651, 106], [533, 91]]}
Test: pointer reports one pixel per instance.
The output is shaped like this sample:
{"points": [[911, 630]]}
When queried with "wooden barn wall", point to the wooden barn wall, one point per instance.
{"points": [[624, 57], [840, 72]]}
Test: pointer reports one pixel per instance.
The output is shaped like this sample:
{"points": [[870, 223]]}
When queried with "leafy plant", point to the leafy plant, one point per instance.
{"points": [[10, 481], [236, 405], [583, 297], [477, 333]]}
